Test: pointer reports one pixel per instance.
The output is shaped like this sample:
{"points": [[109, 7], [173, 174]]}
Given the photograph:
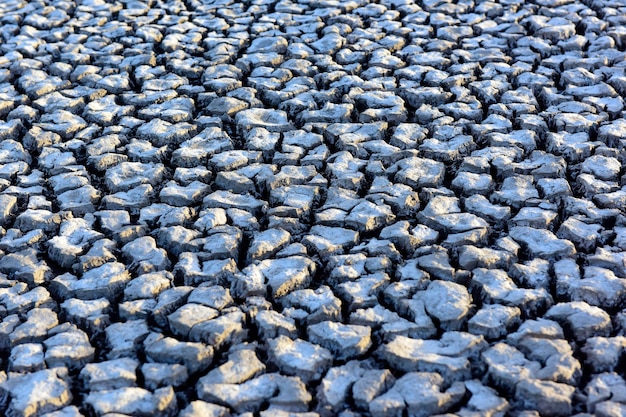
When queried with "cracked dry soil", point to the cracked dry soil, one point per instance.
{"points": [[312, 208]]}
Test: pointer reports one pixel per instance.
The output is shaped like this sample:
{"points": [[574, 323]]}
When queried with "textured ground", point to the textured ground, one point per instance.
{"points": [[312, 208]]}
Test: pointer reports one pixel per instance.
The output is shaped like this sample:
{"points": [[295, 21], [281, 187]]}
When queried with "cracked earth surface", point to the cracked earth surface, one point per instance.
{"points": [[312, 208]]}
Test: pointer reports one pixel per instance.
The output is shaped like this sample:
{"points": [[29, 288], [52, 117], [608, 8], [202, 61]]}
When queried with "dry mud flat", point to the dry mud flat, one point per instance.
{"points": [[313, 208]]}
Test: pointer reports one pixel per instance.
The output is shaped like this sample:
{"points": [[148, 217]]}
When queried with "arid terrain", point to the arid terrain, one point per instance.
{"points": [[312, 208]]}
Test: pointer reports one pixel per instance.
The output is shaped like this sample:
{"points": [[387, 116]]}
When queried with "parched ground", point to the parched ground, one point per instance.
{"points": [[312, 208]]}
